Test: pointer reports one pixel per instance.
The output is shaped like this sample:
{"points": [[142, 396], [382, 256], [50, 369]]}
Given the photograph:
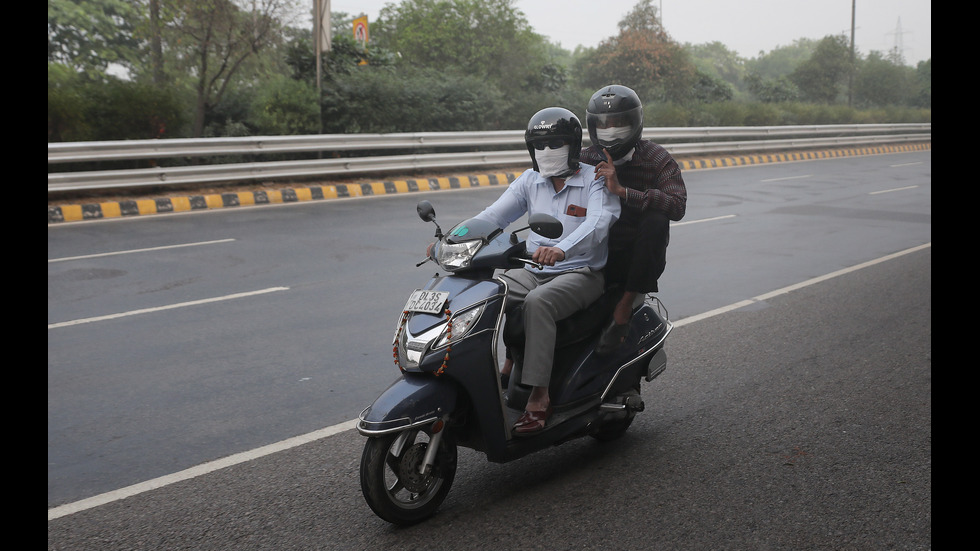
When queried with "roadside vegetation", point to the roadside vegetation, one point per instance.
{"points": [[143, 69]]}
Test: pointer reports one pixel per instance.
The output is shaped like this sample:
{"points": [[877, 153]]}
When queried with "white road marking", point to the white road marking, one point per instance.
{"points": [[702, 220], [891, 190], [131, 251], [788, 178], [168, 307]]}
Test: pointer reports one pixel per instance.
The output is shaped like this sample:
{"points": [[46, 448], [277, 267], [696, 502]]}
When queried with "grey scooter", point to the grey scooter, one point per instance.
{"points": [[449, 391]]}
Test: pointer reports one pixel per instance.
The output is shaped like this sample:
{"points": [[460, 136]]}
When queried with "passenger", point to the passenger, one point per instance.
{"points": [[650, 186]]}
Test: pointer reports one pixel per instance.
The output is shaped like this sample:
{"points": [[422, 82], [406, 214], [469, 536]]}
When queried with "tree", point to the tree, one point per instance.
{"points": [[380, 99], [488, 39], [922, 87], [782, 60], [212, 39], [89, 35], [821, 77], [284, 106], [772, 90], [715, 60], [643, 57], [881, 82]]}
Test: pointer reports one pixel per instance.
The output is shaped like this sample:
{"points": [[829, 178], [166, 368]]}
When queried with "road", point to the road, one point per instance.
{"points": [[801, 419]]}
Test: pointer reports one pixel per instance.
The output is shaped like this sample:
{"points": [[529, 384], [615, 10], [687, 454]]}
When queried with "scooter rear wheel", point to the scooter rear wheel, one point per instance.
{"points": [[390, 478]]}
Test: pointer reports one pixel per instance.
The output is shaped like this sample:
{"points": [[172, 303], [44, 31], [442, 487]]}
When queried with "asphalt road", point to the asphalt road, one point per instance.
{"points": [[799, 420]]}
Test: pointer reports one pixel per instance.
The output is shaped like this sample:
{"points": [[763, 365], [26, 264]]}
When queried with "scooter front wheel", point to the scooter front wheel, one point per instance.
{"points": [[391, 480]]}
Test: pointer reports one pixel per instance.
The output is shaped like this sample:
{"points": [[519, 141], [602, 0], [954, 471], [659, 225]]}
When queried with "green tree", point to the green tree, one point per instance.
{"points": [[211, 40], [772, 90], [412, 100], [715, 60], [880, 82], [488, 39], [710, 88], [83, 109], [922, 85], [283, 106], [344, 57], [782, 60], [821, 78], [89, 35], [67, 105]]}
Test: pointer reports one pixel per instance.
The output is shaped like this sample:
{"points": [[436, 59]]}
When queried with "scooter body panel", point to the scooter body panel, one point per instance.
{"points": [[410, 401]]}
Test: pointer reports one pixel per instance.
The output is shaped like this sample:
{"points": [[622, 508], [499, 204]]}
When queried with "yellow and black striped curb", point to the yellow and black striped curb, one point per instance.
{"points": [[117, 209]]}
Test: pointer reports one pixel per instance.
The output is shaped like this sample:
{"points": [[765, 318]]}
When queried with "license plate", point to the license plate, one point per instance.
{"points": [[430, 302]]}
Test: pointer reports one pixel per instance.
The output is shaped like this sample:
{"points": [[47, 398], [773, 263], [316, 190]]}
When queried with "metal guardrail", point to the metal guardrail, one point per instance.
{"points": [[754, 138]]}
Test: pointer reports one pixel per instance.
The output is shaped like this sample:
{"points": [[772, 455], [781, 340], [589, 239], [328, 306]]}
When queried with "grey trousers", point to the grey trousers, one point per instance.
{"points": [[548, 298]]}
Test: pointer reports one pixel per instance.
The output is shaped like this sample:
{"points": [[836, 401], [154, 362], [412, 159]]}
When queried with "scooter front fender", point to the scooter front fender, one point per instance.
{"points": [[412, 400]]}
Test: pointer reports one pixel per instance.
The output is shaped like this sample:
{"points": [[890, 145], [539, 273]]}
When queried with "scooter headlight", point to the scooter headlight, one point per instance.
{"points": [[456, 256], [459, 326], [410, 349]]}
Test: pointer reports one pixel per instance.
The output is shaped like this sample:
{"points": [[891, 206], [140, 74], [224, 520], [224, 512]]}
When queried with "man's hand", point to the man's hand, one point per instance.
{"points": [[548, 255], [608, 170]]}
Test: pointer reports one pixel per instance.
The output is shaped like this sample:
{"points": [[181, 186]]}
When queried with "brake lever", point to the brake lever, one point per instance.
{"points": [[529, 262]]}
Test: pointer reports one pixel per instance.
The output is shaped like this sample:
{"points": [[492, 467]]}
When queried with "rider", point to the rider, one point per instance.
{"points": [[647, 179], [572, 192]]}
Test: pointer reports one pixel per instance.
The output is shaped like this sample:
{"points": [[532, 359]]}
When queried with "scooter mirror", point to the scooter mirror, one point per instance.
{"points": [[545, 225], [426, 211]]}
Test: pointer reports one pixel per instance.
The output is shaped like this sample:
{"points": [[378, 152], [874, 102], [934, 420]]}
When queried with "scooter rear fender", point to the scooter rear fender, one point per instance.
{"points": [[412, 400]]}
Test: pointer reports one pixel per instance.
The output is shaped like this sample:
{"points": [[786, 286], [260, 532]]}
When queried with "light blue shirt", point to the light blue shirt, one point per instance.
{"points": [[584, 207]]}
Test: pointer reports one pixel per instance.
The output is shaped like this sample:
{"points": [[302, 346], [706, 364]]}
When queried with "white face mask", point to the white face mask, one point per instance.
{"points": [[625, 158], [552, 162], [609, 135]]}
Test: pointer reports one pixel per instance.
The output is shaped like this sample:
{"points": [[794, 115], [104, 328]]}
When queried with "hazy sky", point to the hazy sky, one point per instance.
{"points": [[747, 26]]}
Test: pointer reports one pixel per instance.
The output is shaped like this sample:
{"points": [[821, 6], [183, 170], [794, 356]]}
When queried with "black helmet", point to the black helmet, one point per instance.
{"points": [[615, 106], [554, 127]]}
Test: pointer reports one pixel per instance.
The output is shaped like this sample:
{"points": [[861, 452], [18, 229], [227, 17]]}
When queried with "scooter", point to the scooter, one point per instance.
{"points": [[449, 392]]}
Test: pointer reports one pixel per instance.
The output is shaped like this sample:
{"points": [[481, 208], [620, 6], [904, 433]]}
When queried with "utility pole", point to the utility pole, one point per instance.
{"points": [[850, 74], [321, 43]]}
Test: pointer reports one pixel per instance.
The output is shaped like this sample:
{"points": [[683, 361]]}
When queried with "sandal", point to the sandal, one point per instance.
{"points": [[613, 336], [531, 422]]}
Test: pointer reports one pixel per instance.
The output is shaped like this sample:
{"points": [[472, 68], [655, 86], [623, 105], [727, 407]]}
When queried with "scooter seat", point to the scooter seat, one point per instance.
{"points": [[576, 328]]}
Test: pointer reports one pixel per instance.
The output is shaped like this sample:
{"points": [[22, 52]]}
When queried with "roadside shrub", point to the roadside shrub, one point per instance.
{"points": [[125, 110], [67, 105], [725, 113], [665, 114], [284, 106]]}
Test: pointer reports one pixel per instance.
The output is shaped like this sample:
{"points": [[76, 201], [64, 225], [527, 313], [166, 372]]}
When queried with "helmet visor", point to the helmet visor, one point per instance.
{"points": [[553, 143], [613, 128]]}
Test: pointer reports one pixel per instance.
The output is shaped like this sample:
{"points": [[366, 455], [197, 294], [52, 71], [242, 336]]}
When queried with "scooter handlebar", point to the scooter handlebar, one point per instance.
{"points": [[527, 260]]}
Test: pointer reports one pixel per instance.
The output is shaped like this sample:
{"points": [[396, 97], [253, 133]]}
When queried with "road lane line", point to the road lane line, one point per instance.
{"points": [[108, 497], [794, 287], [702, 220], [788, 178], [138, 250], [199, 470], [168, 307], [891, 190]]}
